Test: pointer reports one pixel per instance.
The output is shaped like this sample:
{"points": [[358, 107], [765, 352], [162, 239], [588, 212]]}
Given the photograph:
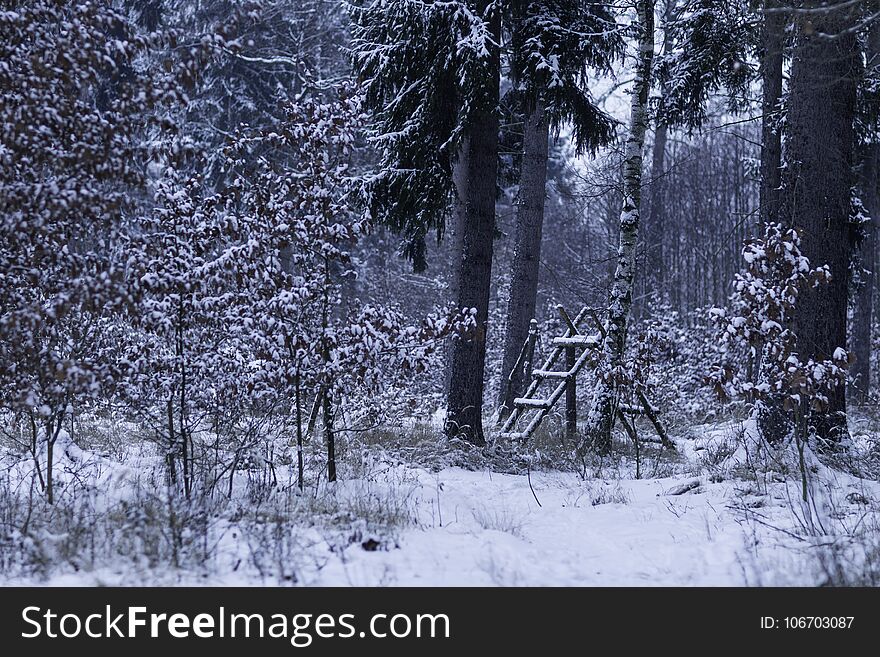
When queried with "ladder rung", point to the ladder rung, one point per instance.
{"points": [[526, 402], [550, 374], [590, 341]]}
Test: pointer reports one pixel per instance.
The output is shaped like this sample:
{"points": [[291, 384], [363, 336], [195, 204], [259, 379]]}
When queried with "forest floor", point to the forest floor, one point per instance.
{"points": [[718, 511]]}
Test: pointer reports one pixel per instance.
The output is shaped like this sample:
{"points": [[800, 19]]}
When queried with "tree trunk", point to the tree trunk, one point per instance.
{"points": [[299, 435], [601, 417], [772, 419], [773, 37], [527, 252], [329, 435], [479, 158], [456, 245], [863, 311], [818, 180], [655, 219], [655, 224], [50, 457], [571, 412]]}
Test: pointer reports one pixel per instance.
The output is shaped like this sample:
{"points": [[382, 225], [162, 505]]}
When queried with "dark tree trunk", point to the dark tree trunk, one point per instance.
{"points": [[863, 311], [772, 419], [773, 37], [527, 252], [330, 435], [818, 180], [456, 244], [571, 413], [299, 436], [655, 217], [478, 158], [655, 226]]}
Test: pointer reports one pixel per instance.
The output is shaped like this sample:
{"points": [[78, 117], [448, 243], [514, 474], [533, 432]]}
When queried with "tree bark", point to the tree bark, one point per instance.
{"points": [[571, 413], [655, 219], [527, 252], [601, 417], [479, 158], [773, 38], [818, 179], [772, 419], [299, 435], [330, 435], [863, 311]]}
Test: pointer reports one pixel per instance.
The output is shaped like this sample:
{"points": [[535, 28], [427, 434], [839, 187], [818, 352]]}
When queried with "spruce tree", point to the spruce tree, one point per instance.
{"points": [[431, 73]]}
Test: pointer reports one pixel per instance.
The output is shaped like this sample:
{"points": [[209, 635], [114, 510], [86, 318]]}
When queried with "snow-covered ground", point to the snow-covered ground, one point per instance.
{"points": [[721, 521], [494, 533]]}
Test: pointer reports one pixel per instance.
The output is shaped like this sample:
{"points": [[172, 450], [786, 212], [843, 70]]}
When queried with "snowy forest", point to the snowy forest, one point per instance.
{"points": [[439, 292]]}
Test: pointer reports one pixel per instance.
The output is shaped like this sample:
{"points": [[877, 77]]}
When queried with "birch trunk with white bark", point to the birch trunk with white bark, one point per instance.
{"points": [[601, 417]]}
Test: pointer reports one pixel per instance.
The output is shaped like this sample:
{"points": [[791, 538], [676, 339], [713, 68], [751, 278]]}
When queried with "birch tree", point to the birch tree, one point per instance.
{"points": [[601, 416]]}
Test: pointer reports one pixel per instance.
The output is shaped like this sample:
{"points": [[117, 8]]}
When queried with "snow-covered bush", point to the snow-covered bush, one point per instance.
{"points": [[760, 363], [244, 315], [76, 106]]}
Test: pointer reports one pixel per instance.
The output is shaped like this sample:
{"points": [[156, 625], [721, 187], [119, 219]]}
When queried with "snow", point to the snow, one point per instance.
{"points": [[495, 534], [482, 528]]}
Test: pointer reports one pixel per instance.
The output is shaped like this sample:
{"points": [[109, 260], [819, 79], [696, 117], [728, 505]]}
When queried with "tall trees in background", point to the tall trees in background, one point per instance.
{"points": [[655, 270], [555, 45], [706, 51], [817, 196]]}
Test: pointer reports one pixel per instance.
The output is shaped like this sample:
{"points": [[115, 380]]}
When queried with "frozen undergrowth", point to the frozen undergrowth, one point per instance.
{"points": [[724, 510]]}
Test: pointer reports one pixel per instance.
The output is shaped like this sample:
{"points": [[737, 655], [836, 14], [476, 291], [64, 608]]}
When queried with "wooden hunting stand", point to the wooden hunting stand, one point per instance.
{"points": [[531, 408]]}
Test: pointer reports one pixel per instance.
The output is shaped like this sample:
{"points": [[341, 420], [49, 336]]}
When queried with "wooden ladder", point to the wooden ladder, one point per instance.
{"points": [[534, 408]]}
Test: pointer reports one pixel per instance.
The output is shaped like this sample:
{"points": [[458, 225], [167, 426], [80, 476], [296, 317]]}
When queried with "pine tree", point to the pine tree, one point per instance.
{"points": [[432, 73], [710, 46]]}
